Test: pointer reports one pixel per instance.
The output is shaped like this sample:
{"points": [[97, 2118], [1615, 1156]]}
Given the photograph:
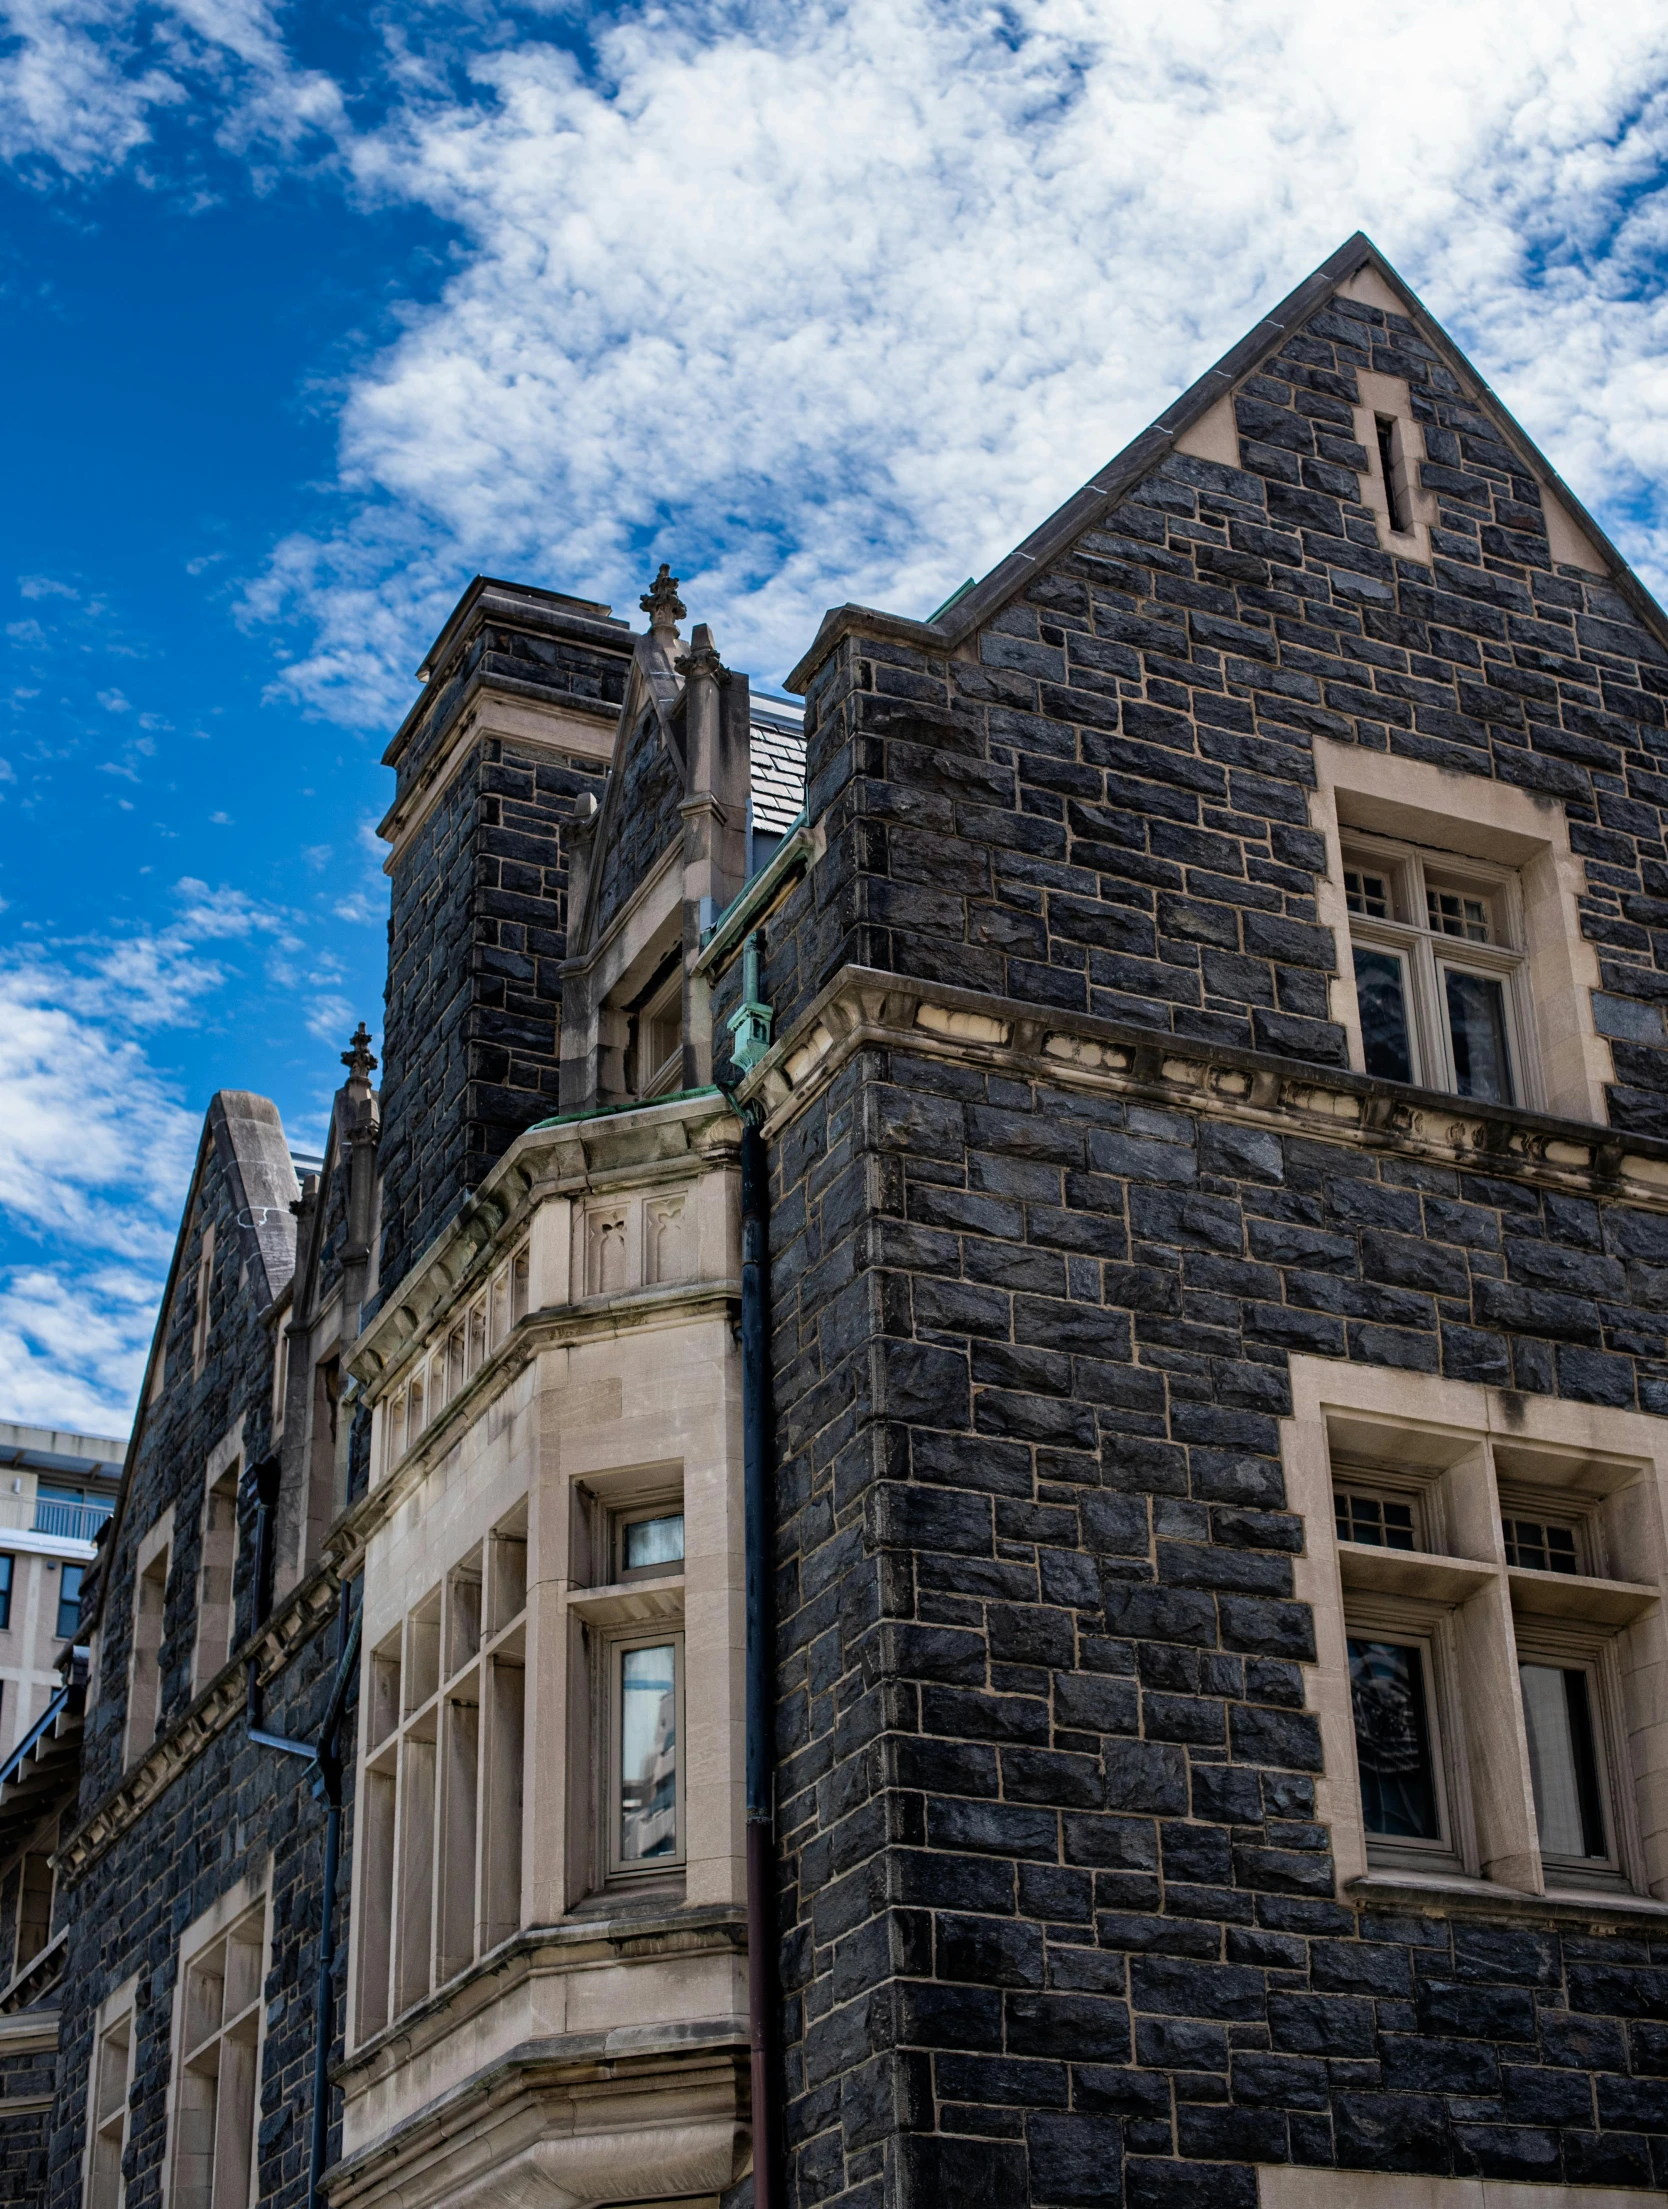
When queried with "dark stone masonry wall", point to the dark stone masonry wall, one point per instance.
{"points": [[1059, 1926], [23, 2138], [651, 790], [1100, 802], [191, 1416], [476, 937], [233, 1808]]}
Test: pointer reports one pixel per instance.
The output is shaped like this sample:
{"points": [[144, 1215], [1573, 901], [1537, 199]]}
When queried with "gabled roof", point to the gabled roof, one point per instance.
{"points": [[1084, 510]]}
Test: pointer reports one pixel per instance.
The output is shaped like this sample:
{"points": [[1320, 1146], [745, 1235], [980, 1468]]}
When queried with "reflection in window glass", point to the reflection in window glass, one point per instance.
{"points": [[1477, 1023], [648, 1754], [1563, 1761], [1381, 991], [651, 1542], [1392, 1740], [1455, 915]]}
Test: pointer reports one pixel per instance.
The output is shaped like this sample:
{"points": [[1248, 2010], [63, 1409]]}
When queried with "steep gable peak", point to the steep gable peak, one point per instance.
{"points": [[1201, 423]]}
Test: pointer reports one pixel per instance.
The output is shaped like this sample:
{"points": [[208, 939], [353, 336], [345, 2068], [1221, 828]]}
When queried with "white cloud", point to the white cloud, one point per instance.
{"points": [[838, 302]]}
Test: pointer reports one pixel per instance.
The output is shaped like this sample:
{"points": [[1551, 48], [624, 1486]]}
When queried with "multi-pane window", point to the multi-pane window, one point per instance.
{"points": [[1385, 1522], [1452, 1690], [1437, 947], [110, 2086], [479, 1332], [441, 1807], [217, 2061]]}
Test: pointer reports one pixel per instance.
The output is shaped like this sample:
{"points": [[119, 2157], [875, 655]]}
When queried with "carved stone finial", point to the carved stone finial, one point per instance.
{"points": [[357, 1057], [702, 656], [661, 602]]}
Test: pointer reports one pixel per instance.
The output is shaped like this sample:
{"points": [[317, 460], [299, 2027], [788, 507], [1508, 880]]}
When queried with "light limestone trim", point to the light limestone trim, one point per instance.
{"points": [[863, 1009], [1390, 396], [1480, 818], [1284, 2186], [23, 2105], [221, 1703], [515, 721], [1461, 1432], [1569, 543], [566, 2123], [1369, 289], [29, 2032], [156, 1541], [241, 1897], [121, 2002], [1214, 436]]}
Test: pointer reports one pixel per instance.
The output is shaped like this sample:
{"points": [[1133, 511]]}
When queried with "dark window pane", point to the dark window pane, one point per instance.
{"points": [[1381, 995], [1477, 1023], [1368, 894], [1563, 1760], [69, 1601], [1368, 1519], [1537, 1548], [1454, 915], [1392, 1740], [5, 1590]]}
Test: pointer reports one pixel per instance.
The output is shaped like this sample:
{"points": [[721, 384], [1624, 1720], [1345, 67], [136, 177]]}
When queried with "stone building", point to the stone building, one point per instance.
{"points": [[1195, 1727]]}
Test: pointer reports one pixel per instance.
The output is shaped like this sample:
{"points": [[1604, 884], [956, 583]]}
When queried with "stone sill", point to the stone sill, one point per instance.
{"points": [[1439, 1893]]}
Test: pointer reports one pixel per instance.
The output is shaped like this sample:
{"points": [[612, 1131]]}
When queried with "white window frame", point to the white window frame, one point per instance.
{"points": [[244, 1909], [103, 2183], [1470, 1444], [1428, 955]]}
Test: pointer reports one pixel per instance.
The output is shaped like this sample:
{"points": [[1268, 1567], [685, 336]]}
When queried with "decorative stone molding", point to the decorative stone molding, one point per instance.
{"points": [[861, 1009], [304, 1612]]}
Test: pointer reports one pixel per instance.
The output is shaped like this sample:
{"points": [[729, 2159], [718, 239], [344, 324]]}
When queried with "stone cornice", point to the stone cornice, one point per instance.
{"points": [[28, 2032], [676, 1138], [861, 1008], [585, 1320], [304, 1612]]}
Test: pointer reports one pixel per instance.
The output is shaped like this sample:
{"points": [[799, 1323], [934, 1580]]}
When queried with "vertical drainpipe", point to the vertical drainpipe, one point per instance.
{"points": [[756, 1465]]}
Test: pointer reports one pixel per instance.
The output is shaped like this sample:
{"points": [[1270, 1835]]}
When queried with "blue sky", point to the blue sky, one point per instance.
{"points": [[309, 315]]}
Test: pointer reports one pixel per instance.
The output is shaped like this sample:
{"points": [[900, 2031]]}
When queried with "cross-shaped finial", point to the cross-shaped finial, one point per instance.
{"points": [[357, 1058], [661, 602]]}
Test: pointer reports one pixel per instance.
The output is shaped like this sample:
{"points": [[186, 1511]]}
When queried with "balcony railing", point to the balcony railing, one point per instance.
{"points": [[80, 1522]]}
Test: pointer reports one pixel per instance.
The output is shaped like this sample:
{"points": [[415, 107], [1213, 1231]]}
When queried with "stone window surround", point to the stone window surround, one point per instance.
{"points": [[156, 1542], [207, 1656], [245, 1895], [1291, 2186], [1474, 816], [1460, 1424], [117, 2008]]}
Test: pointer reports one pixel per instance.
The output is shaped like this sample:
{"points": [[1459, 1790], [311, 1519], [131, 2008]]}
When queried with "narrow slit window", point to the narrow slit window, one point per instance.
{"points": [[1387, 461], [648, 1789], [112, 2083]]}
